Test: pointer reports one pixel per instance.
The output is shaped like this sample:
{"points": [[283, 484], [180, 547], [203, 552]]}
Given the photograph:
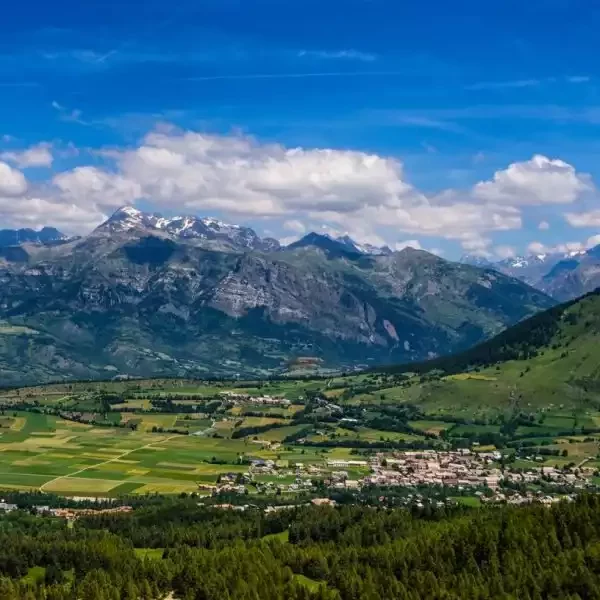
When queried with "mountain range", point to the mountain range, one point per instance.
{"points": [[563, 276], [14, 237], [144, 295]]}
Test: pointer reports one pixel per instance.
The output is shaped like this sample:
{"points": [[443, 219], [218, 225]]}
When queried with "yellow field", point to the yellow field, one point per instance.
{"points": [[260, 421], [18, 423], [150, 420], [167, 465], [138, 403], [78, 485], [167, 488]]}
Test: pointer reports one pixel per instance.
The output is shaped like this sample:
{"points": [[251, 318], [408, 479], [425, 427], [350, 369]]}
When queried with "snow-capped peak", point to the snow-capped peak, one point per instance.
{"points": [[189, 227], [215, 223], [129, 211], [518, 262], [125, 218], [365, 248]]}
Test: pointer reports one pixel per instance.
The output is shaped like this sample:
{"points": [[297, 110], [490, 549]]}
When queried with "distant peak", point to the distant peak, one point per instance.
{"points": [[129, 211], [208, 230], [327, 244]]}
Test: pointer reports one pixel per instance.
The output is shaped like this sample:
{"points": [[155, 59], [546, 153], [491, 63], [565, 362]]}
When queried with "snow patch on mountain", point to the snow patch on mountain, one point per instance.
{"points": [[351, 244], [189, 227]]}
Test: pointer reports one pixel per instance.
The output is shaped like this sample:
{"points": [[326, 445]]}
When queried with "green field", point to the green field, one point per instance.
{"points": [[68, 458]]}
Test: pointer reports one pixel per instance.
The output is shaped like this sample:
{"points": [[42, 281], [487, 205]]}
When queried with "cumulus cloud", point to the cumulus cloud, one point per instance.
{"points": [[355, 192], [543, 225], [36, 212], [365, 195], [584, 219], [593, 241], [238, 175], [416, 244], [12, 181], [96, 188], [476, 245], [295, 226], [505, 251], [538, 181], [39, 155], [564, 248]]}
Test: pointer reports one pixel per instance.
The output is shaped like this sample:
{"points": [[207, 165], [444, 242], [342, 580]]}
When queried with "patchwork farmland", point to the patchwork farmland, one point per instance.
{"points": [[117, 438], [44, 452]]}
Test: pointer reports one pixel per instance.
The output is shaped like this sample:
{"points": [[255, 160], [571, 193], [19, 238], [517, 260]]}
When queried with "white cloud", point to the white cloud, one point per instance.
{"points": [[295, 226], [585, 219], [564, 248], [237, 175], [543, 225], [39, 155], [593, 241], [12, 181], [96, 188], [408, 244], [539, 248], [474, 244], [365, 195], [535, 182], [362, 194], [505, 251]]}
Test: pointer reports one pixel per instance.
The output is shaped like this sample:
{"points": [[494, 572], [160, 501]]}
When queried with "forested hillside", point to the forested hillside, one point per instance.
{"points": [[547, 363], [569, 326], [347, 553]]}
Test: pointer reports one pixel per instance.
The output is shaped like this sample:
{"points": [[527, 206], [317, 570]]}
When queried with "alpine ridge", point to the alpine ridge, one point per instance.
{"points": [[562, 275], [147, 295]]}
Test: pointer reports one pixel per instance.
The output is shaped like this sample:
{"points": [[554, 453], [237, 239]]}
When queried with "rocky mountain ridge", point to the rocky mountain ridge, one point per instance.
{"points": [[207, 232], [140, 296], [15, 237], [564, 276]]}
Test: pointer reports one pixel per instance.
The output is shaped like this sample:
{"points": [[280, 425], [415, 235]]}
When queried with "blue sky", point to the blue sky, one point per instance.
{"points": [[409, 117]]}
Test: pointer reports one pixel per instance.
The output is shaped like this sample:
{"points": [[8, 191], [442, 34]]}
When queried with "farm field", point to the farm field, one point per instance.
{"points": [[55, 455]]}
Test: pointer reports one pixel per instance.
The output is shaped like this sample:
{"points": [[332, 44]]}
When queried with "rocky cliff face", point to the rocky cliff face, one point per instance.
{"points": [[137, 297]]}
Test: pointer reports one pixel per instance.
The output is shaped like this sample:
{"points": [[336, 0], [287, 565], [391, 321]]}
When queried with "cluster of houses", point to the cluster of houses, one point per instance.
{"points": [[463, 469], [279, 477], [257, 400], [518, 499], [431, 467], [70, 514], [577, 478]]}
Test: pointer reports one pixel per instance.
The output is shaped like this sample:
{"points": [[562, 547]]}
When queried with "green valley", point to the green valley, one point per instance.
{"points": [[530, 394]]}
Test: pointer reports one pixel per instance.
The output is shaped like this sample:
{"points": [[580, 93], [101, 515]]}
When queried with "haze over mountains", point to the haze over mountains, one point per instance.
{"points": [[563, 276], [145, 295]]}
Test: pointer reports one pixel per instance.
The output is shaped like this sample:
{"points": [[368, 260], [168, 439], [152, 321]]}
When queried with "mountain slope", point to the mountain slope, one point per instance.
{"points": [[549, 361], [141, 299]]}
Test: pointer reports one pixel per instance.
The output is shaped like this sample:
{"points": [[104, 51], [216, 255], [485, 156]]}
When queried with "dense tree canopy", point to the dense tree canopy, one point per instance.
{"points": [[344, 553]]}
